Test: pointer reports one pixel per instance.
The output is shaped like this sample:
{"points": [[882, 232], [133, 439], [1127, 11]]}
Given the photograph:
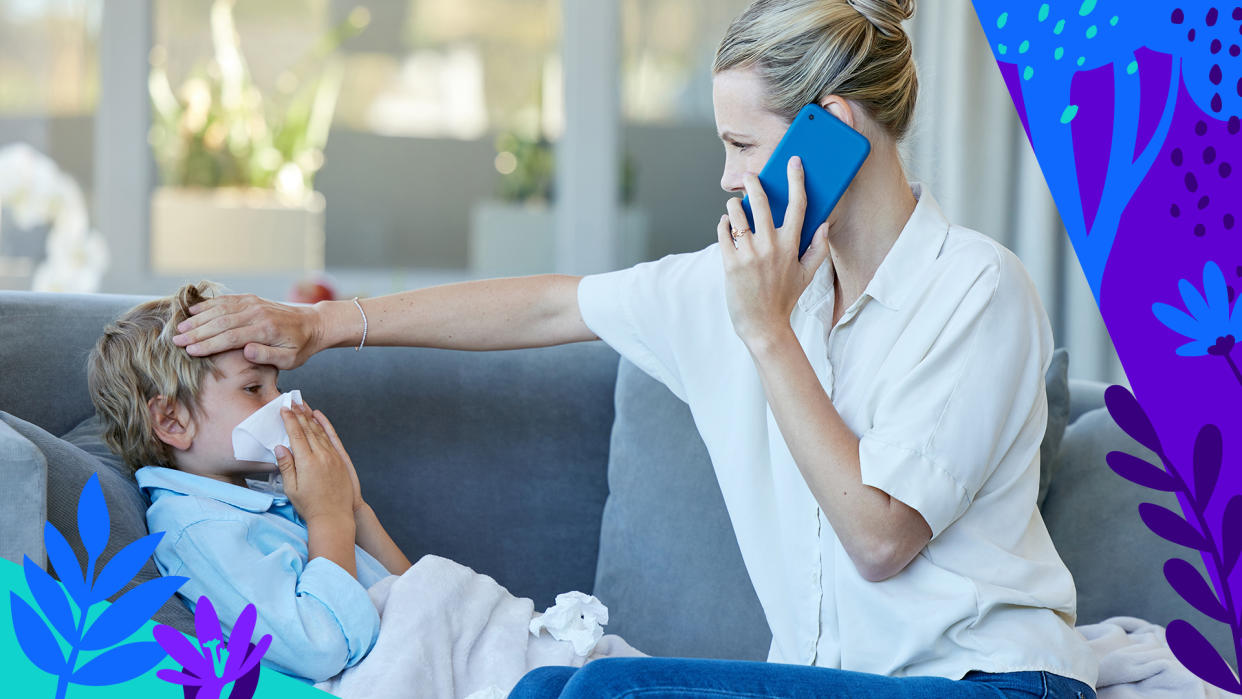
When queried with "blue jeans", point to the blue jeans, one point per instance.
{"points": [[652, 678]]}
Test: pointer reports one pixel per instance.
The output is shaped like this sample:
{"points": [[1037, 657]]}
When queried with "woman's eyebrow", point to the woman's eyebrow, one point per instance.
{"points": [[733, 136]]}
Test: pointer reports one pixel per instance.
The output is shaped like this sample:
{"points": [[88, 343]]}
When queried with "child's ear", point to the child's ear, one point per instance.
{"points": [[172, 422]]}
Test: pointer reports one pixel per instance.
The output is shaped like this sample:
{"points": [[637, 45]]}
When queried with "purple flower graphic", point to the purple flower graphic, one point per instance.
{"points": [[208, 668]]}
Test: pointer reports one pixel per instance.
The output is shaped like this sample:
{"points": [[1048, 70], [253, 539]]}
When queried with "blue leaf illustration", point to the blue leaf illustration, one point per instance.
{"points": [[130, 612], [124, 565], [1137, 470], [1170, 525], [1130, 417], [65, 562], [50, 598], [34, 637], [1194, 651], [1207, 463], [1190, 585], [1231, 526], [93, 522], [120, 664]]}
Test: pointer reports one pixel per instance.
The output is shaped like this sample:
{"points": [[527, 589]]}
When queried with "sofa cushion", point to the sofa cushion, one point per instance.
{"points": [[23, 499], [1116, 562], [1056, 382], [670, 570], [68, 468]]}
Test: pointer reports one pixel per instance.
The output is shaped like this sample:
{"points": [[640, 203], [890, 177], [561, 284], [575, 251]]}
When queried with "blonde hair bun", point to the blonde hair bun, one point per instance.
{"points": [[805, 50], [886, 15]]}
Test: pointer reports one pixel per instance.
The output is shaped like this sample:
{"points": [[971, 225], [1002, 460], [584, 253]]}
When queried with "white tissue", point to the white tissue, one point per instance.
{"points": [[492, 692], [255, 439], [576, 617]]}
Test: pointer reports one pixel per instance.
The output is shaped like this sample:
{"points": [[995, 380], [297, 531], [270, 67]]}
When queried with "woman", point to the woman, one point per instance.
{"points": [[873, 411]]}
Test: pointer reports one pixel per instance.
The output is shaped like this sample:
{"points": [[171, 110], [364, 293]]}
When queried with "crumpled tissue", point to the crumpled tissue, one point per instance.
{"points": [[576, 617], [255, 439]]}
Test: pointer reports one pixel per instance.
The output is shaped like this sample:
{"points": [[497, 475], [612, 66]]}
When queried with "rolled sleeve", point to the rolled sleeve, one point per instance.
{"points": [[320, 618], [639, 311], [972, 398]]}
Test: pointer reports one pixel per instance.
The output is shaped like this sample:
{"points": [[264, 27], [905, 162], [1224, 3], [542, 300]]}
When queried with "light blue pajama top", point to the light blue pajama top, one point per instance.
{"points": [[242, 546]]}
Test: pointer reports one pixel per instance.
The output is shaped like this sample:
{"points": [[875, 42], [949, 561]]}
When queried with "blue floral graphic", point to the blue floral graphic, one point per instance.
{"points": [[118, 663], [1207, 321]]}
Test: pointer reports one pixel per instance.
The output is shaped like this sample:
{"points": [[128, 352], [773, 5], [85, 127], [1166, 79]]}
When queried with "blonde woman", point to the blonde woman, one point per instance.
{"points": [[873, 411]]}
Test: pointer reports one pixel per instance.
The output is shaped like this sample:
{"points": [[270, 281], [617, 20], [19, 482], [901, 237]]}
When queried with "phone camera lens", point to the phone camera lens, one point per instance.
{"points": [[810, 116]]}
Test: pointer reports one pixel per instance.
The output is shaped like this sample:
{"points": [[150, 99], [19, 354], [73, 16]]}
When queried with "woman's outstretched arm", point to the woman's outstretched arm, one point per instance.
{"points": [[486, 314]]}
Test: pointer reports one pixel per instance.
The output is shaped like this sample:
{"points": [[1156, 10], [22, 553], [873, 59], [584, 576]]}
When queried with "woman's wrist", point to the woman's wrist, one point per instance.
{"points": [[336, 324]]}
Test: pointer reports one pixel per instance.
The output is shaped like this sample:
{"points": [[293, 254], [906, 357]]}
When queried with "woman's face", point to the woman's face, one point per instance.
{"points": [[749, 132]]}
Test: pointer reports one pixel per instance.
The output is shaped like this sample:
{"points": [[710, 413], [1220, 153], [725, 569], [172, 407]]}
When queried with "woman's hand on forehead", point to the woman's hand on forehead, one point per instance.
{"points": [[278, 334]]}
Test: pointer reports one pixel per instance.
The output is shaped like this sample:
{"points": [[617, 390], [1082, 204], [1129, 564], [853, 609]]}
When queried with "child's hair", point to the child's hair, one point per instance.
{"points": [[134, 361]]}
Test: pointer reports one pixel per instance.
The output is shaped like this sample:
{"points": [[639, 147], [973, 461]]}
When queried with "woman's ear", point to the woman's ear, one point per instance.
{"points": [[840, 108], [172, 422]]}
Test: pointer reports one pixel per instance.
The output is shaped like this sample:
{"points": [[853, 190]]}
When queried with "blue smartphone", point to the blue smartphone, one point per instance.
{"points": [[831, 153]]}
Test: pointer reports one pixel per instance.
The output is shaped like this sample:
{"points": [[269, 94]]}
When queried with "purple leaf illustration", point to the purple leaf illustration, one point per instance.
{"points": [[206, 623], [1130, 417], [1191, 586], [209, 666], [1231, 526], [1194, 651], [1137, 470], [1207, 463], [177, 646], [1170, 525]]}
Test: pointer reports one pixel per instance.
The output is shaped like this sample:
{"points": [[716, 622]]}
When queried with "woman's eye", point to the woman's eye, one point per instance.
{"points": [[740, 147], [251, 389]]}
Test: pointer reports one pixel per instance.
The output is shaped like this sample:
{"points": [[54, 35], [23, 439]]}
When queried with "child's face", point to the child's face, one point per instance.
{"points": [[224, 402]]}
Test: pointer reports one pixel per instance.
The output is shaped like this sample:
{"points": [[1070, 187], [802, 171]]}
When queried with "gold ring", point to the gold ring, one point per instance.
{"points": [[739, 233]]}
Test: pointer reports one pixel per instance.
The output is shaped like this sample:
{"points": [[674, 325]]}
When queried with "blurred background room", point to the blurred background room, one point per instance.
{"points": [[300, 149]]}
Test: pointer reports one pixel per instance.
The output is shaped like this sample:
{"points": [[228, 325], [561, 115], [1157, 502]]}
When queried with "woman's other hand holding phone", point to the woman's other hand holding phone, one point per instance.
{"points": [[763, 276]]}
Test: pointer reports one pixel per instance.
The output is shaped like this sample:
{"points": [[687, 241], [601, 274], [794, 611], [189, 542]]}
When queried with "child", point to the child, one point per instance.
{"points": [[306, 551]]}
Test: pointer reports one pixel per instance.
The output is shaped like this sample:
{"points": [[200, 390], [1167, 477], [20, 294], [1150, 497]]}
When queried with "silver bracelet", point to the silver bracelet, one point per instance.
{"points": [[364, 324]]}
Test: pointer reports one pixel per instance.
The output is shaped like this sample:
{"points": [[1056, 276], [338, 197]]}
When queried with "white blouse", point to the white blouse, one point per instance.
{"points": [[939, 368]]}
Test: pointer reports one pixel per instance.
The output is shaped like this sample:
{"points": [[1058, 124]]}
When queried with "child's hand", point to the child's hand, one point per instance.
{"points": [[322, 419], [316, 476]]}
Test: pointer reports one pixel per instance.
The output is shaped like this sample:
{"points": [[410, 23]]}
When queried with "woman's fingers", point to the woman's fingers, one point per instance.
{"points": [[760, 210], [795, 211], [724, 234], [738, 222]]}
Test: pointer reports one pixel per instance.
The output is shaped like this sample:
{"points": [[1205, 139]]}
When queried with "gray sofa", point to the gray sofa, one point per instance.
{"points": [[550, 469]]}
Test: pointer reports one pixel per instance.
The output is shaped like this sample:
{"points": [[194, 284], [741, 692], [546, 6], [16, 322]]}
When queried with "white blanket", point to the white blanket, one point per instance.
{"points": [[1136, 663], [447, 632]]}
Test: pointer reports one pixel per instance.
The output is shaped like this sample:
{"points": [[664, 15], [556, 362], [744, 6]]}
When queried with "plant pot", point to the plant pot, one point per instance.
{"points": [[515, 239], [234, 230]]}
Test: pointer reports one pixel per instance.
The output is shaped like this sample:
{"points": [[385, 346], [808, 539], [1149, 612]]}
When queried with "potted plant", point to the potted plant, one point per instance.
{"points": [[515, 233], [237, 168]]}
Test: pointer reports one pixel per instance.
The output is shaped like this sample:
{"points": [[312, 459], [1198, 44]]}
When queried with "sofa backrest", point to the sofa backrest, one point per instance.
{"points": [[497, 460]]}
